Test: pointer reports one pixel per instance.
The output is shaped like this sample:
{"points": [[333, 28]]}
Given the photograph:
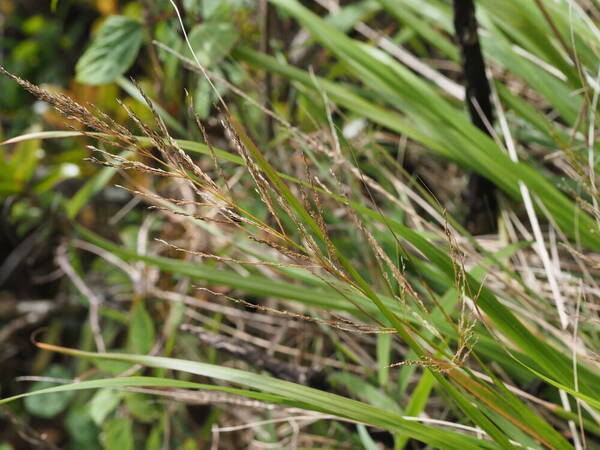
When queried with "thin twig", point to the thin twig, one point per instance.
{"points": [[94, 301]]}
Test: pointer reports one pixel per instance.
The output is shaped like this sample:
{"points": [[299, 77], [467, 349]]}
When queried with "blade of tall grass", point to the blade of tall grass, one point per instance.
{"points": [[141, 381], [301, 396], [485, 159], [432, 35], [417, 402], [513, 410], [546, 356], [321, 296], [475, 416]]}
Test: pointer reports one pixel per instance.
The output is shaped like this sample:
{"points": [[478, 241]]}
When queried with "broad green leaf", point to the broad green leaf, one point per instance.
{"points": [[143, 407], [112, 52], [203, 98], [155, 439], [50, 406], [104, 402], [81, 427], [209, 7], [190, 444], [117, 433], [23, 163], [141, 330], [213, 41]]}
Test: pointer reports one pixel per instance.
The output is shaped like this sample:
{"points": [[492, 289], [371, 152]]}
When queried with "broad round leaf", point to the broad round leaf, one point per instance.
{"points": [[54, 403], [141, 331], [118, 433], [213, 41], [112, 52]]}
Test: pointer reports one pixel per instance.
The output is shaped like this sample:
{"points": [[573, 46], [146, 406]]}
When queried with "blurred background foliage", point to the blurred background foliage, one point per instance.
{"points": [[43, 42], [88, 50]]}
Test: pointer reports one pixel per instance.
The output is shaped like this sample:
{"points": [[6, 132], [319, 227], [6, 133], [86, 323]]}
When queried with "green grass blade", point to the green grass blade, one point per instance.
{"points": [[308, 397]]}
